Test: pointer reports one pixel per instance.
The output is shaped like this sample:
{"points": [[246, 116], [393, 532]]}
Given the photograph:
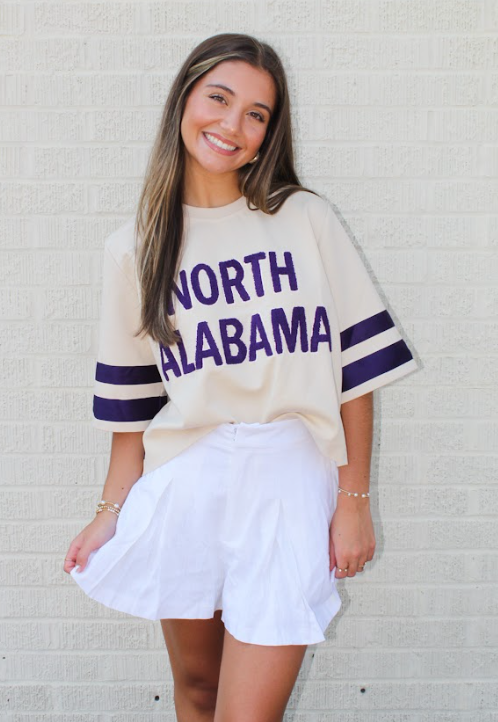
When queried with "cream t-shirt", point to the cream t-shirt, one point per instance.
{"points": [[277, 316]]}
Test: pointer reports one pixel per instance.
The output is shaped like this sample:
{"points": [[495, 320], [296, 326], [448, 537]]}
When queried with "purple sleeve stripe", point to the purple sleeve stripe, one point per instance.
{"points": [[127, 375], [129, 410], [375, 364], [365, 329]]}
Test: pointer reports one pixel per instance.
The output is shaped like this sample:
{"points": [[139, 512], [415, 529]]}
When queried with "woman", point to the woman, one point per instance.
{"points": [[240, 343]]}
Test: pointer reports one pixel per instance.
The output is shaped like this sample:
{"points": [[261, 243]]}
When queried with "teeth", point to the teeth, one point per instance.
{"points": [[219, 143]]}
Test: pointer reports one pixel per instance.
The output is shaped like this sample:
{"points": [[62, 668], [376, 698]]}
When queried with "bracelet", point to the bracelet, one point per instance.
{"points": [[109, 506], [106, 508], [111, 503], [365, 495]]}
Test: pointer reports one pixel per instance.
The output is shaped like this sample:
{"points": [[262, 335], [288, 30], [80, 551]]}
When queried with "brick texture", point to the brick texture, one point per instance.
{"points": [[396, 121]]}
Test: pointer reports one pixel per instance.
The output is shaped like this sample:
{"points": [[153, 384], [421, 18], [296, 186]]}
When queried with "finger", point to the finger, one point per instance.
{"points": [[361, 566], [68, 565], [352, 567], [70, 558], [332, 562], [371, 551], [342, 569], [82, 559]]}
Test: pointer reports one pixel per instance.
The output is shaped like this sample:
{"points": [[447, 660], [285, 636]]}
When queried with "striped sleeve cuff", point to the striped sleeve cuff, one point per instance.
{"points": [[127, 398], [373, 354]]}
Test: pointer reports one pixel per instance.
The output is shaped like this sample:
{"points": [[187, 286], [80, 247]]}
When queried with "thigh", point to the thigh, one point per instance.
{"points": [[195, 648], [256, 681]]}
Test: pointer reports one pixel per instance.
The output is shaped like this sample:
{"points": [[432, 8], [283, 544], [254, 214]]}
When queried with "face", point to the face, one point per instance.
{"points": [[223, 127]]}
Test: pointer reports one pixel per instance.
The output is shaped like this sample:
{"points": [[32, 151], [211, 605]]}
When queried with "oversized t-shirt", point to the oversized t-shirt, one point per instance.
{"points": [[277, 318]]}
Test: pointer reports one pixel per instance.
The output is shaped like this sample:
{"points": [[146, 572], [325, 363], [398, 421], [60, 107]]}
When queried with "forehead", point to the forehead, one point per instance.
{"points": [[243, 79]]}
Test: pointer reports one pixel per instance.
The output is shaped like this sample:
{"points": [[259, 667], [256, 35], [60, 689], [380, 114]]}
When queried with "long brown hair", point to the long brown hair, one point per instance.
{"points": [[265, 184]]}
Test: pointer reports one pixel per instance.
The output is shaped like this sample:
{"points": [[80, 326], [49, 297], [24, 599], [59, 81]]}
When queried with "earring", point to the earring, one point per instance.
{"points": [[255, 158]]}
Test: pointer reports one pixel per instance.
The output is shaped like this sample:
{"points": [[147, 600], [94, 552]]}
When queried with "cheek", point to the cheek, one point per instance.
{"points": [[194, 116], [201, 113], [186, 132], [255, 136]]}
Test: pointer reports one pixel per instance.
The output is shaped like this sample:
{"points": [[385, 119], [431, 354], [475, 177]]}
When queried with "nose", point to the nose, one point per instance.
{"points": [[231, 122]]}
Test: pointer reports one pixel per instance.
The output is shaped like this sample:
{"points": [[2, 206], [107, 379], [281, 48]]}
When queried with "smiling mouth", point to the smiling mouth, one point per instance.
{"points": [[220, 144]]}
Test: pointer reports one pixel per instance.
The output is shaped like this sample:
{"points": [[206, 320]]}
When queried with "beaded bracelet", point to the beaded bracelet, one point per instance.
{"points": [[365, 495], [106, 507], [118, 506], [103, 505]]}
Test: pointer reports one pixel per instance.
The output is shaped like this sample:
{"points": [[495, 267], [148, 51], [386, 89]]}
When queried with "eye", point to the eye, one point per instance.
{"points": [[254, 113], [217, 96]]}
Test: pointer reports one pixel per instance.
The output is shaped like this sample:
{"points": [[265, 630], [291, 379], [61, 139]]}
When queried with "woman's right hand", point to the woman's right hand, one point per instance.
{"points": [[92, 537]]}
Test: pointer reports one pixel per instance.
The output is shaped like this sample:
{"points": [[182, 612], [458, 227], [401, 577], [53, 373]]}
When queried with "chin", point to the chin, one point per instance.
{"points": [[215, 165]]}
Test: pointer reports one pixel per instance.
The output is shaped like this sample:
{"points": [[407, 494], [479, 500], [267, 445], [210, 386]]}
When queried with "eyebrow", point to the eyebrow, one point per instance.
{"points": [[229, 90]]}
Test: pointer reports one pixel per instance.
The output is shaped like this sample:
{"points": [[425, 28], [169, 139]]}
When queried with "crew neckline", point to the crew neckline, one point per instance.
{"points": [[217, 212]]}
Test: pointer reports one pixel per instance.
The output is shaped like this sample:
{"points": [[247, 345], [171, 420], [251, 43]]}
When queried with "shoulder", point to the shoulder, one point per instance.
{"points": [[121, 242], [305, 204], [120, 245]]}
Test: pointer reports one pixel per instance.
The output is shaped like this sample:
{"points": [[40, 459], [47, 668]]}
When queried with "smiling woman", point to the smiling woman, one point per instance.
{"points": [[241, 339], [216, 126]]}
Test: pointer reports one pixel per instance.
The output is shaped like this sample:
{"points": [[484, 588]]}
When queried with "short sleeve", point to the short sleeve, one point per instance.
{"points": [[128, 389], [373, 352]]}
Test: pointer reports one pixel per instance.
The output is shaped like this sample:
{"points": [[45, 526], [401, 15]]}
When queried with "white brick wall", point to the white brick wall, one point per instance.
{"points": [[396, 119]]}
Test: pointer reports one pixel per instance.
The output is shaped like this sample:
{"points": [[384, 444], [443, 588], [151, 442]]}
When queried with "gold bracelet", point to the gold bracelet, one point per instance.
{"points": [[111, 503], [365, 495], [103, 505], [106, 508]]}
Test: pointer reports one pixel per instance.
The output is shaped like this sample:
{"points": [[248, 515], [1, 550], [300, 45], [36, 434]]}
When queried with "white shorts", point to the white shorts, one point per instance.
{"points": [[238, 521]]}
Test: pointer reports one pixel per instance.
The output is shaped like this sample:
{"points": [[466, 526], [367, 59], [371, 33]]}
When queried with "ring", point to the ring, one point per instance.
{"points": [[342, 570], [360, 569]]}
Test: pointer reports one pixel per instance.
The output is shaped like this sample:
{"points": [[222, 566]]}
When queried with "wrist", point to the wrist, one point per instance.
{"points": [[352, 503], [105, 518], [103, 510], [353, 511], [353, 493], [348, 503], [109, 506]]}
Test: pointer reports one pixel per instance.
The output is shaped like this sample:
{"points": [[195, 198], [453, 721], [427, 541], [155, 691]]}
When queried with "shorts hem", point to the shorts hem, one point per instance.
{"points": [[125, 605], [302, 634], [311, 633]]}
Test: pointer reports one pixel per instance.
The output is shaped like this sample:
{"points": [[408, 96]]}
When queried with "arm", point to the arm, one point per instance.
{"points": [[352, 538], [125, 468]]}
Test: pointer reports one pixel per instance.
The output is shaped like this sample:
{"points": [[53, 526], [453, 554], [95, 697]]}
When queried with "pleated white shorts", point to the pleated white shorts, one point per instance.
{"points": [[238, 521]]}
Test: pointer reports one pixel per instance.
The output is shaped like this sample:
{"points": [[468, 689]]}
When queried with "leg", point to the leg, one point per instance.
{"points": [[256, 681], [195, 647]]}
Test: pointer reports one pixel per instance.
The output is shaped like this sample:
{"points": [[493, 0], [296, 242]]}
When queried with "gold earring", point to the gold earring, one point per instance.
{"points": [[255, 158]]}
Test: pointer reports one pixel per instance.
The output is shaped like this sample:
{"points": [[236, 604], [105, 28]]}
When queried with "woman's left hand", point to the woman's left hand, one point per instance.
{"points": [[352, 536]]}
